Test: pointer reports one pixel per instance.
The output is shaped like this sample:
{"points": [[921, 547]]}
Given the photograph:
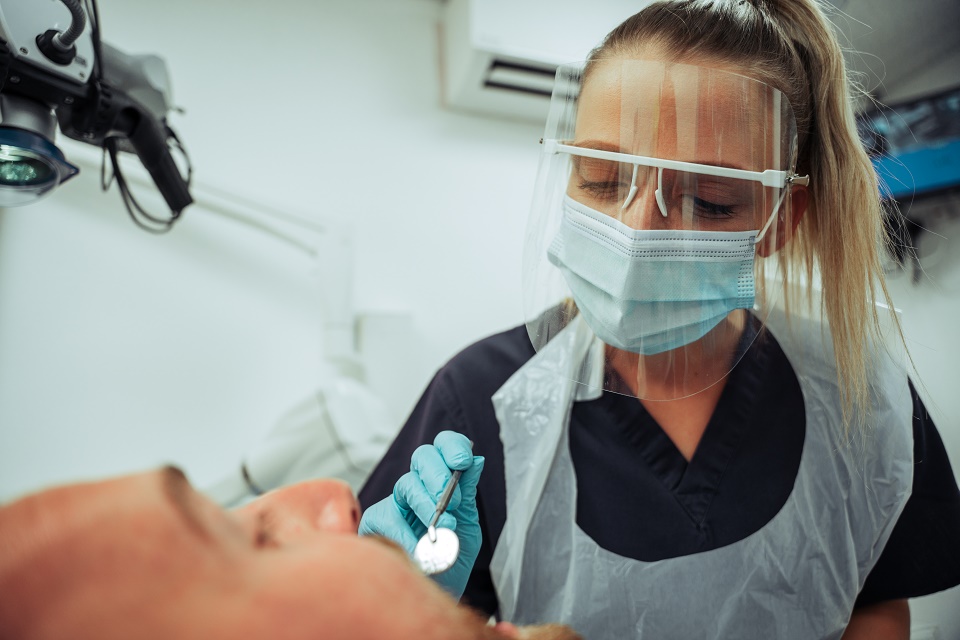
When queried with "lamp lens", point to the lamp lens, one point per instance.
{"points": [[23, 171]]}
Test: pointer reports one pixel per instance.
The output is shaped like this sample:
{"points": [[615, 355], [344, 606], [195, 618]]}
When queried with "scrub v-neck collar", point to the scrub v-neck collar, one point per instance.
{"points": [[694, 484]]}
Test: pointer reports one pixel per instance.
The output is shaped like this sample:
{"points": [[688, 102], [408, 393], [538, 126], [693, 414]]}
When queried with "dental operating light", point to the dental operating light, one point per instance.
{"points": [[55, 73]]}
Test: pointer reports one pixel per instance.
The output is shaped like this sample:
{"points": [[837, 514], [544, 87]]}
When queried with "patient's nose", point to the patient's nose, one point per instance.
{"points": [[295, 513]]}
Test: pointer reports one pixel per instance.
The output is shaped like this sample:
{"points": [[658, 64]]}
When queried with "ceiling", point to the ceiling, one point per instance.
{"points": [[895, 42], [900, 47]]}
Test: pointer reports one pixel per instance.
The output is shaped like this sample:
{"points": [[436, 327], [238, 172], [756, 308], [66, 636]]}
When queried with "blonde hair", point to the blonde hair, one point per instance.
{"points": [[791, 45]]}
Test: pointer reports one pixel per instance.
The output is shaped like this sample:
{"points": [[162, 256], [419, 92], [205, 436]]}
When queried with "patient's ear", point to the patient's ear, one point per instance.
{"points": [[548, 632], [507, 630], [538, 632], [782, 230]]}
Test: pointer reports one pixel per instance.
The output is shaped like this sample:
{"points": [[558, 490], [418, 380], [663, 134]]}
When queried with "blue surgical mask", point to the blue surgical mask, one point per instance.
{"points": [[650, 291]]}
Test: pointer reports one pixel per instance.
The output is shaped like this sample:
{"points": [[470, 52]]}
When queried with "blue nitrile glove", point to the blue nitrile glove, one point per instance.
{"points": [[403, 517]]}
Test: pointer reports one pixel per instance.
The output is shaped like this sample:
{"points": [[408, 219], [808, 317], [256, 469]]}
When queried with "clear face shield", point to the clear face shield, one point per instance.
{"points": [[661, 187]]}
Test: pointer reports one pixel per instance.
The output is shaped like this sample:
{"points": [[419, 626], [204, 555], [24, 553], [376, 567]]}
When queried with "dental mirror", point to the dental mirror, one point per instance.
{"points": [[438, 549], [438, 554]]}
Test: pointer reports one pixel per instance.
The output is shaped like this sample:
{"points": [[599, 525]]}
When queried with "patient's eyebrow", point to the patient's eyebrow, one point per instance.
{"points": [[601, 145], [179, 493]]}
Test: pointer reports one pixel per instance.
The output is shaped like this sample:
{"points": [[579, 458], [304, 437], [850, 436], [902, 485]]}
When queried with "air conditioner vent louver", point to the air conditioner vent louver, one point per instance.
{"points": [[499, 57], [511, 76]]}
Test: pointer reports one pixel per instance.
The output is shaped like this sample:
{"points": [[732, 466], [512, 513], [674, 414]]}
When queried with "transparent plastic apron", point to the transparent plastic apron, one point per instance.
{"points": [[797, 577]]}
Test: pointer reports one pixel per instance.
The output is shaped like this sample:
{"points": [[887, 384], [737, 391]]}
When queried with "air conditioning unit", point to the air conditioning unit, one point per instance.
{"points": [[499, 57]]}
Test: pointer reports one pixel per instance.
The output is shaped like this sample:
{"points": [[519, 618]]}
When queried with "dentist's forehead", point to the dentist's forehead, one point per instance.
{"points": [[689, 112]]}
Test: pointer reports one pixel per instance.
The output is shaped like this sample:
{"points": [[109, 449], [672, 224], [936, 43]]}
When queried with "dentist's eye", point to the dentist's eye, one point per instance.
{"points": [[603, 189], [706, 209], [602, 180]]}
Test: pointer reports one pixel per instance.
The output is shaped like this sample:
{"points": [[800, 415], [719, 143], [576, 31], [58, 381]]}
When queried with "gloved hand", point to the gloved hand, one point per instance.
{"points": [[403, 517]]}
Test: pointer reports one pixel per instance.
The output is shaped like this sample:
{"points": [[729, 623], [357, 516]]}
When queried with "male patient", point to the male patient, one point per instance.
{"points": [[146, 556]]}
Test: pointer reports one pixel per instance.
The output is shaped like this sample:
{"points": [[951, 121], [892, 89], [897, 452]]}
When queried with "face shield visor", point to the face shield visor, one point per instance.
{"points": [[660, 188]]}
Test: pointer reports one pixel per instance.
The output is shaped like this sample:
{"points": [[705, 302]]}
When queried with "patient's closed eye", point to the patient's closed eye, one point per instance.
{"points": [[264, 533]]}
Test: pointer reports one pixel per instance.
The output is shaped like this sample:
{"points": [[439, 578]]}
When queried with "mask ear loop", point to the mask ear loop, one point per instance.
{"points": [[773, 215], [792, 180]]}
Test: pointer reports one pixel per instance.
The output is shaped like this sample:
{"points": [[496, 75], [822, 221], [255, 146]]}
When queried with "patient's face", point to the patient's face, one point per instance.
{"points": [[146, 556]]}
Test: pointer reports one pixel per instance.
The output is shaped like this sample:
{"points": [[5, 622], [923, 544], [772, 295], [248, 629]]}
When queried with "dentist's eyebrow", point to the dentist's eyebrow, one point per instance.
{"points": [[179, 494], [600, 145]]}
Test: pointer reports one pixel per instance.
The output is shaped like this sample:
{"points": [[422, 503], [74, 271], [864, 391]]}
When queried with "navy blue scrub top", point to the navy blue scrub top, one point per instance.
{"points": [[639, 497]]}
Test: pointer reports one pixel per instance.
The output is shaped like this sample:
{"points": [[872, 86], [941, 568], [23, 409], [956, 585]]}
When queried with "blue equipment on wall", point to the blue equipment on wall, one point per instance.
{"points": [[915, 145], [915, 149]]}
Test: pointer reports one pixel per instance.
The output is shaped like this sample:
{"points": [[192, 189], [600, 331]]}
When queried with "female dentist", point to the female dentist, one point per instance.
{"points": [[687, 438]]}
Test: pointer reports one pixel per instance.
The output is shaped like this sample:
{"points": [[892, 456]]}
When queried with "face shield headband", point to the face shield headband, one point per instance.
{"points": [[657, 182]]}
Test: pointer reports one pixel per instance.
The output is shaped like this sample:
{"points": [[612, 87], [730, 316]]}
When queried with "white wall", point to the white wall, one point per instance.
{"points": [[120, 350]]}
